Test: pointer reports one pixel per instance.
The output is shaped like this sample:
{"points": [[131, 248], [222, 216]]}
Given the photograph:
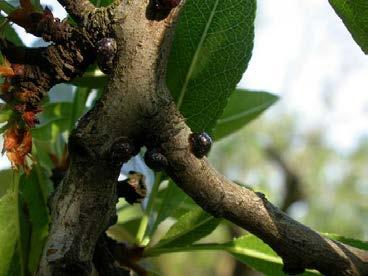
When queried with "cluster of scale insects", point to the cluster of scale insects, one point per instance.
{"points": [[133, 189], [200, 144]]}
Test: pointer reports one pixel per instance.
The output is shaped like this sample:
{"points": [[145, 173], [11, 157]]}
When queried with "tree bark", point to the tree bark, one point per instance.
{"points": [[137, 109]]}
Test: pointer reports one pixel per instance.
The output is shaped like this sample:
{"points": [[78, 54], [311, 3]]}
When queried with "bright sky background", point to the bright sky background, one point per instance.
{"points": [[304, 53]]}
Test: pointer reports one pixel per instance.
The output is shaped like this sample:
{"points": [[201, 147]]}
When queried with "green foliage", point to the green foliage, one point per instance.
{"points": [[191, 227], [6, 179], [211, 50], [258, 255], [9, 234], [6, 7], [243, 107], [349, 241], [34, 189], [6, 29], [354, 14], [5, 115], [91, 80], [170, 202], [24, 224], [54, 119], [101, 3]]}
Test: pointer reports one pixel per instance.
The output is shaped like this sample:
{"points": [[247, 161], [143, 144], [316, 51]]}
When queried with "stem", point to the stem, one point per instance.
{"points": [[79, 103], [142, 238], [153, 252], [142, 230]]}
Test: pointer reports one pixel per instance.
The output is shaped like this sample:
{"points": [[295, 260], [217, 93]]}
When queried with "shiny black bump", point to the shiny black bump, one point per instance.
{"points": [[200, 144], [155, 159], [121, 151], [166, 4], [106, 51]]}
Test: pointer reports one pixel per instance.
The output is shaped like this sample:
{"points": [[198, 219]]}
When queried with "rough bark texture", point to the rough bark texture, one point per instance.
{"points": [[137, 109]]}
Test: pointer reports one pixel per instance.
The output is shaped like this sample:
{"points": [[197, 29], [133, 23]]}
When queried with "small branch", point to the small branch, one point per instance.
{"points": [[299, 246], [97, 21], [41, 23], [79, 10], [38, 69], [21, 54]]}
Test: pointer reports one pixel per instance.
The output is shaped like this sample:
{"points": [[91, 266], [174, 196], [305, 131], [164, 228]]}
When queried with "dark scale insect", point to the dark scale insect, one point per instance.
{"points": [[200, 144], [106, 51], [155, 159], [122, 150], [163, 5]]}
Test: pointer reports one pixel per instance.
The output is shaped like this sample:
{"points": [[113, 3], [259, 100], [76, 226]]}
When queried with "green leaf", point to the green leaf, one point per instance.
{"points": [[101, 3], [354, 14], [91, 81], [52, 111], [34, 189], [243, 107], [255, 253], [54, 119], [247, 249], [24, 222], [170, 202], [79, 104], [6, 7], [5, 115], [8, 227], [7, 177], [14, 233], [349, 241], [258, 255], [124, 232], [191, 227], [211, 50], [37, 4], [8, 31]]}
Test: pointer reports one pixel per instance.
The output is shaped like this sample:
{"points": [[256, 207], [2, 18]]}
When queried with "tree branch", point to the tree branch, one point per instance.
{"points": [[79, 10], [299, 246], [97, 21], [137, 109]]}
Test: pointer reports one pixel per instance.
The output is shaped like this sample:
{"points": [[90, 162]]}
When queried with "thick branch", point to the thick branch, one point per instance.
{"points": [[84, 205], [136, 106]]}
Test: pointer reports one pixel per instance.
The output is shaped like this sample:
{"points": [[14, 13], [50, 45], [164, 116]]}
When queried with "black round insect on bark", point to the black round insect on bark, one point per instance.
{"points": [[106, 51], [155, 159], [165, 4], [121, 151], [200, 144]]}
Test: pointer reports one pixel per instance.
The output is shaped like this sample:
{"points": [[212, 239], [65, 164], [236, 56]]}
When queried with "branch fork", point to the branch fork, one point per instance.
{"points": [[84, 204]]}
